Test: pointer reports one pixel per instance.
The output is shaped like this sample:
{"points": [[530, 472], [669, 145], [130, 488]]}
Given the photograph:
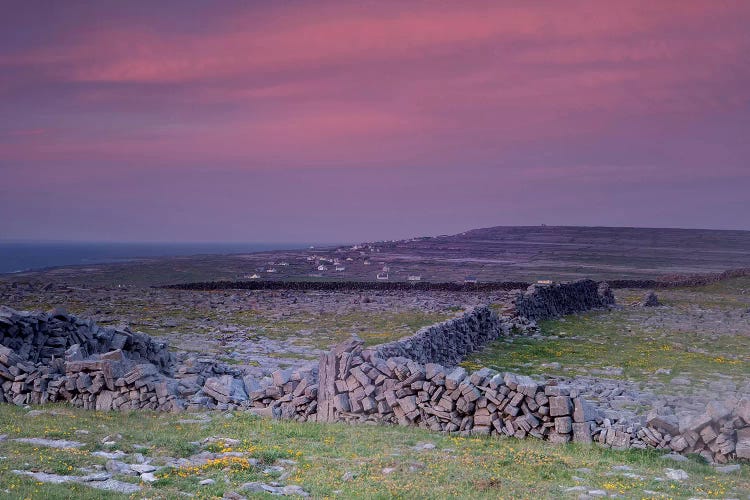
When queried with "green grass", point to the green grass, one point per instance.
{"points": [[457, 468], [598, 340], [326, 329], [637, 340]]}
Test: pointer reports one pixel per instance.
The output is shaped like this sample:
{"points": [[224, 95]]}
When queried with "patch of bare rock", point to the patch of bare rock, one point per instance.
{"points": [[97, 481]]}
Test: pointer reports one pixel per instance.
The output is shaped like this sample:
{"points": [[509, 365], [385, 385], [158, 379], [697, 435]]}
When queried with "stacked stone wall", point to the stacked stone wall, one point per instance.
{"points": [[339, 286], [359, 386], [411, 382], [450, 341], [541, 302], [43, 337], [682, 280]]}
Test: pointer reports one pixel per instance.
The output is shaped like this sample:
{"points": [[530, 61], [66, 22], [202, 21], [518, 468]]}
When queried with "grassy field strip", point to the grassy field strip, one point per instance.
{"points": [[335, 460], [701, 335]]}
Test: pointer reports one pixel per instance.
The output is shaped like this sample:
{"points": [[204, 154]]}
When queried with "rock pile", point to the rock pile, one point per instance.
{"points": [[59, 357], [650, 300], [546, 301], [719, 434], [109, 381], [286, 394], [44, 337], [197, 376]]}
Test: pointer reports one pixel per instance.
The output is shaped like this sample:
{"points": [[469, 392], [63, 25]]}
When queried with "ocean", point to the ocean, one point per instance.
{"points": [[23, 256]]}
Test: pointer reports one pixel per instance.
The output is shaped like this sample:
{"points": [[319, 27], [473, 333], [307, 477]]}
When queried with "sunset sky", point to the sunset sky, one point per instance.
{"points": [[347, 121]]}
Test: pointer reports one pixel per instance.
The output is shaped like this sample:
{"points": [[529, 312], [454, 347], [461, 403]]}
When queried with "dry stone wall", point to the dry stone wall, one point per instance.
{"points": [[356, 385], [541, 301], [43, 337], [50, 357], [356, 286], [682, 280], [412, 382], [450, 341]]}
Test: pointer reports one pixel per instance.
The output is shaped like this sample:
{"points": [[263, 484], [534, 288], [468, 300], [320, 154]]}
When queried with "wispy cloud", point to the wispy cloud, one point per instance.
{"points": [[518, 93]]}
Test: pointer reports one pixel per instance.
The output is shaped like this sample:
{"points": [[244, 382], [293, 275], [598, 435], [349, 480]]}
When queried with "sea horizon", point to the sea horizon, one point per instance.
{"points": [[17, 256]]}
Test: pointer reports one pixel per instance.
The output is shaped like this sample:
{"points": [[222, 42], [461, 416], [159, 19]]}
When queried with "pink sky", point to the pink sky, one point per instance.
{"points": [[348, 121]]}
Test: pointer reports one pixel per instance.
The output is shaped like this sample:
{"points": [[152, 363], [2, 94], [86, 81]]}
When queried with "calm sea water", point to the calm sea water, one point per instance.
{"points": [[23, 256]]}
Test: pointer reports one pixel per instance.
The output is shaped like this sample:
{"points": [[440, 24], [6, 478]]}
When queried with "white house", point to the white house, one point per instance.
{"points": [[322, 268], [271, 270], [470, 279], [414, 277], [340, 268], [253, 276], [382, 276]]}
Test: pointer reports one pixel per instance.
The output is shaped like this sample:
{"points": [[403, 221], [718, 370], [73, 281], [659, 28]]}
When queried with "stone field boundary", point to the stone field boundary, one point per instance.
{"points": [[413, 381]]}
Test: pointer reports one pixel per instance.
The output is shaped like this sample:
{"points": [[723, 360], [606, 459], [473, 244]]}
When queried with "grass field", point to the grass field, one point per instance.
{"points": [[337, 460], [701, 334]]}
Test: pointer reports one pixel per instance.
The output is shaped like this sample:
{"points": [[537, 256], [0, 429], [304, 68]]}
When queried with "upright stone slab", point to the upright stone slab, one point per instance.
{"points": [[326, 386]]}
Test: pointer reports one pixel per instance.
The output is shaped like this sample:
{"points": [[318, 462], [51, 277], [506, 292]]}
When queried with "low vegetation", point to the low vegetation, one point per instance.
{"points": [[336, 460], [699, 335]]}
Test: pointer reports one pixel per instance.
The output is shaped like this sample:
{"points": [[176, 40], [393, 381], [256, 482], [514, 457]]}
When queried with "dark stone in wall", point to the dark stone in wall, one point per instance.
{"points": [[540, 302]]}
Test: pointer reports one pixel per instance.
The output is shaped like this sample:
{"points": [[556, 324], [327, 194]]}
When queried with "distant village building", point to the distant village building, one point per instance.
{"points": [[340, 268], [322, 268], [284, 264], [414, 277], [252, 276], [271, 270], [367, 263], [544, 282], [470, 279], [383, 276]]}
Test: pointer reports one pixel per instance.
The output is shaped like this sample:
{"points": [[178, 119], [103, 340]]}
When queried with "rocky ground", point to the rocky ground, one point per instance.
{"points": [[257, 330], [690, 346]]}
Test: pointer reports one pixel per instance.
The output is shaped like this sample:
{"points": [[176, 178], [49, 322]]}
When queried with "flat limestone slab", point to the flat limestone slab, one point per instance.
{"points": [[50, 443], [107, 484]]}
